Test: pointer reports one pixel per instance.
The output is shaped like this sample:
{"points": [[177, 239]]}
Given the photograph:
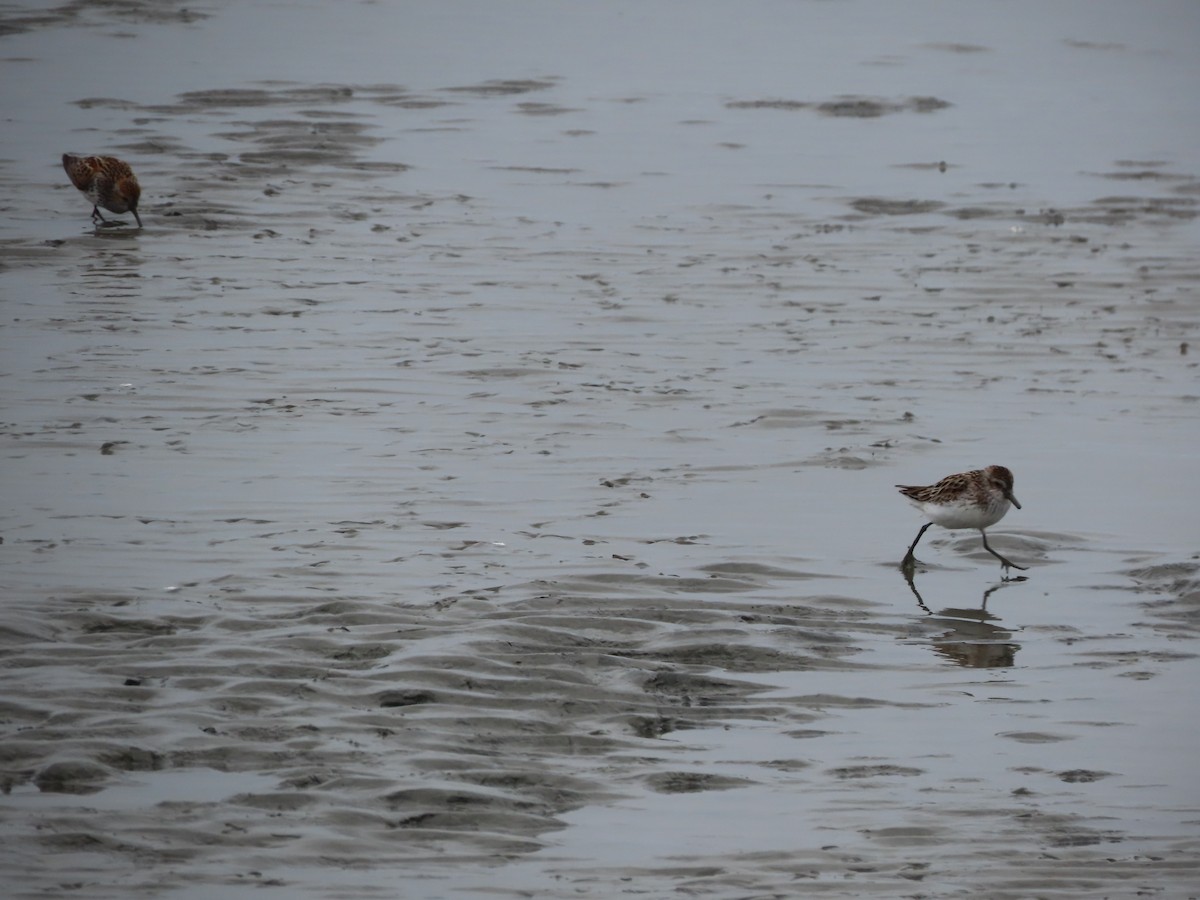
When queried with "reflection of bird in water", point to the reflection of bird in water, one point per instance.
{"points": [[970, 639], [977, 499], [106, 181], [978, 654]]}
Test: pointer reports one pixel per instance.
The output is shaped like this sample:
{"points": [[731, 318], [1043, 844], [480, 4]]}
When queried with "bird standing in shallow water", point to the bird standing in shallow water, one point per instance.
{"points": [[106, 181], [977, 499]]}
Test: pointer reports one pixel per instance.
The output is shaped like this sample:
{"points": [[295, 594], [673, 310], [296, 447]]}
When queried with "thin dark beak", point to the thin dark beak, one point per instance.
{"points": [[139, 221], [1012, 499]]}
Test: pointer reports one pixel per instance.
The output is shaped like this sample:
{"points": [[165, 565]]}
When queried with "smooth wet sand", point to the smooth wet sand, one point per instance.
{"points": [[477, 478]]}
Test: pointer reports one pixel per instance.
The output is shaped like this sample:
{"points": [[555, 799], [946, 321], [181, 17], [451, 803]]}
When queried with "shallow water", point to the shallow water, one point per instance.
{"points": [[477, 477]]}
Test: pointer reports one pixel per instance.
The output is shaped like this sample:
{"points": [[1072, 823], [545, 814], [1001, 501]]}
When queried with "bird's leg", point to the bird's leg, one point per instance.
{"points": [[909, 560], [1004, 562], [96, 215]]}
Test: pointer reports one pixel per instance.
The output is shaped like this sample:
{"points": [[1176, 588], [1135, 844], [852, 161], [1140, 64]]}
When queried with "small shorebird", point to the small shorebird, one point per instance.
{"points": [[976, 499], [106, 181]]}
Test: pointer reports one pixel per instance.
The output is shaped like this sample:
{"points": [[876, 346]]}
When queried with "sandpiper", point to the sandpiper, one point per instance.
{"points": [[977, 499], [106, 181]]}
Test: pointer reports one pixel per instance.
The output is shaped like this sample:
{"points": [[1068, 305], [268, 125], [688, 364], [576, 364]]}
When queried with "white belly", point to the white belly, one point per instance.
{"points": [[964, 515]]}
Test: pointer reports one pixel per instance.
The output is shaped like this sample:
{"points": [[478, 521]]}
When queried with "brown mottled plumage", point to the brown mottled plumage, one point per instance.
{"points": [[975, 499], [106, 181]]}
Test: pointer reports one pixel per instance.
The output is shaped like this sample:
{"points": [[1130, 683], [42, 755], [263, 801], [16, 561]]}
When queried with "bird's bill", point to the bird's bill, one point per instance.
{"points": [[139, 221], [1013, 500]]}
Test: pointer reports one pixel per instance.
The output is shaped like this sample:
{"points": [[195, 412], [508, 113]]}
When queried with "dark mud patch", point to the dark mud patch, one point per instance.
{"points": [[850, 107], [954, 47], [72, 777], [693, 782], [1117, 210], [872, 108], [1082, 776], [874, 770], [786, 105], [504, 87], [94, 15], [939, 166], [543, 109], [538, 170], [1143, 174], [1036, 737], [1078, 44], [881, 206]]}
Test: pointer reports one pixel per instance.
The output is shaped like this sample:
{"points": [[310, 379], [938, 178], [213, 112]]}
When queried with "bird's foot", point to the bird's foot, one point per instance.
{"points": [[1006, 564]]}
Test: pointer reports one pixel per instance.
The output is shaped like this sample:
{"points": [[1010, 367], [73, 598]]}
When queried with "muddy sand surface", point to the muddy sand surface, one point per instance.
{"points": [[477, 478]]}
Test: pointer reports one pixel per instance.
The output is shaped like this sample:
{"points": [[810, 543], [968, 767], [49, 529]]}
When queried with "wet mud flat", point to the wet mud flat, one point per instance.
{"points": [[433, 500]]}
